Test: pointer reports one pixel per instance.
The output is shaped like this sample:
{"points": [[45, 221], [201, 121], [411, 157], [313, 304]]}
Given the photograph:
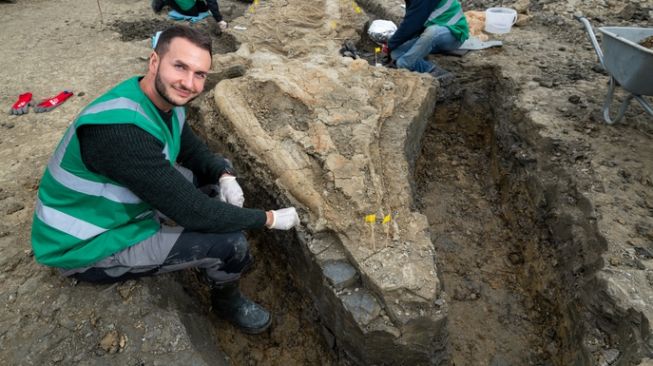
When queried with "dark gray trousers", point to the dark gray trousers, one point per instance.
{"points": [[221, 256]]}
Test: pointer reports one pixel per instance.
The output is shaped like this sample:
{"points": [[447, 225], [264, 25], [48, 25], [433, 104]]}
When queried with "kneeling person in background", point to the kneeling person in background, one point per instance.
{"points": [[192, 8], [429, 27]]}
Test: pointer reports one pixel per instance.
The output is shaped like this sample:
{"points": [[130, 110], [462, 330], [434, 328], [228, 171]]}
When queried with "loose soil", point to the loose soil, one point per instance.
{"points": [[480, 231]]}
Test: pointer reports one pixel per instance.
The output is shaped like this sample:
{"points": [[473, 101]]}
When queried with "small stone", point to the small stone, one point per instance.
{"points": [[58, 357], [14, 207], [611, 355], [515, 258], [574, 99], [122, 342], [645, 229], [439, 302], [546, 83], [363, 306], [125, 290], [340, 274], [643, 253], [110, 342]]}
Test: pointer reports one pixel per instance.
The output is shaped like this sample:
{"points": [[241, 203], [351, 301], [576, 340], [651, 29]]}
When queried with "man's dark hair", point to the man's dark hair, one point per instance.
{"points": [[197, 37]]}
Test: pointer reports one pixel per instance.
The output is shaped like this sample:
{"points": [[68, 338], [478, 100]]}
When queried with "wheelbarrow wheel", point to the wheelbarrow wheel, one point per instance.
{"points": [[608, 103]]}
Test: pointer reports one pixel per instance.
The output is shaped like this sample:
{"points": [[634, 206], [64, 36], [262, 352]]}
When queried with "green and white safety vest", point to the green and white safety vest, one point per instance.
{"points": [[81, 217], [449, 13]]}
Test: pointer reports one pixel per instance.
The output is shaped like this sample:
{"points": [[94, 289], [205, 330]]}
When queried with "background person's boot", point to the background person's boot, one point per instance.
{"points": [[229, 303], [443, 76]]}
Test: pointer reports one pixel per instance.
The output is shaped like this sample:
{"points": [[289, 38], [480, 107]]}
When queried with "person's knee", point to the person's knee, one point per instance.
{"points": [[402, 64], [241, 249], [431, 32], [230, 265], [239, 257]]}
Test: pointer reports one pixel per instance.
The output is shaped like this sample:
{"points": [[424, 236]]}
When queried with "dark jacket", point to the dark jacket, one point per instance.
{"points": [[214, 9], [417, 13], [199, 7]]}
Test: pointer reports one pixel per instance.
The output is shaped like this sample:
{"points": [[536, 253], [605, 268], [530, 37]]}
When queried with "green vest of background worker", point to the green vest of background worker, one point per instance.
{"points": [[192, 8]]}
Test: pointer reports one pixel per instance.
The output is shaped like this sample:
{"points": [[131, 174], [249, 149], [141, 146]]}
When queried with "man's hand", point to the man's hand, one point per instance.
{"points": [[223, 25], [230, 191], [283, 219]]}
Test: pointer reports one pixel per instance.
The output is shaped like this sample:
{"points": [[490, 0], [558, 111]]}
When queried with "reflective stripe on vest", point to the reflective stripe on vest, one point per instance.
{"points": [[70, 225], [455, 18], [109, 191], [117, 103], [440, 10], [181, 118], [443, 9]]}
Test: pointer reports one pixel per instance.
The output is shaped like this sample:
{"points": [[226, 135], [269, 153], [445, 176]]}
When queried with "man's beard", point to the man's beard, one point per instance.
{"points": [[160, 88]]}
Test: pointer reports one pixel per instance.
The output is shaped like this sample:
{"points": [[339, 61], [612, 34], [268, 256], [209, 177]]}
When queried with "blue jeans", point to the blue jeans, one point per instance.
{"points": [[412, 54]]}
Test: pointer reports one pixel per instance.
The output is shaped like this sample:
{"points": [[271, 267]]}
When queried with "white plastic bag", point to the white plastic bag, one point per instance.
{"points": [[381, 30]]}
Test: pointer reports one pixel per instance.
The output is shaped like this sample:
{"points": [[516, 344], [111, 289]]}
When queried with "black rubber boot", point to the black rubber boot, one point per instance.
{"points": [[443, 76], [229, 303]]}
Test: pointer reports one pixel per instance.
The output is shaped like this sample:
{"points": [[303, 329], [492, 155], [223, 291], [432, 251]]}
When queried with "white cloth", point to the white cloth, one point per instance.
{"points": [[381, 30]]}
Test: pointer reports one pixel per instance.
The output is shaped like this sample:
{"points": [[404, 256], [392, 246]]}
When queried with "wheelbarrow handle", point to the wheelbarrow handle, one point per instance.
{"points": [[592, 36]]}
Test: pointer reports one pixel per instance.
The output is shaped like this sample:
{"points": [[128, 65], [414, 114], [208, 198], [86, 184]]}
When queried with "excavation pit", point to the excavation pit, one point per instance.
{"points": [[146, 28]]}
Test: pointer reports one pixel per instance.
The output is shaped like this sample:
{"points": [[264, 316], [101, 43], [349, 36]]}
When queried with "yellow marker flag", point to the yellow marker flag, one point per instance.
{"points": [[377, 49], [334, 24], [357, 9], [370, 218], [386, 219]]}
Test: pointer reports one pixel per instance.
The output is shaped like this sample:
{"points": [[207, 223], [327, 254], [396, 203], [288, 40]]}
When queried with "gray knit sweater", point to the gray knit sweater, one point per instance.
{"points": [[134, 158]]}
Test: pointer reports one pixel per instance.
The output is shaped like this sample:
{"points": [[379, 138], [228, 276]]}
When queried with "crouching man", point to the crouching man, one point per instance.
{"points": [[128, 160], [429, 27]]}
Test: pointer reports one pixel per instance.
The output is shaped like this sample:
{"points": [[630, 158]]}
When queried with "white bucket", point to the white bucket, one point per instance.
{"points": [[499, 20]]}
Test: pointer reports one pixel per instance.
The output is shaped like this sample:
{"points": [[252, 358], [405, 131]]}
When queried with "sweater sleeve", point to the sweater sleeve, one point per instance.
{"points": [[417, 13], [197, 157], [214, 9], [134, 158]]}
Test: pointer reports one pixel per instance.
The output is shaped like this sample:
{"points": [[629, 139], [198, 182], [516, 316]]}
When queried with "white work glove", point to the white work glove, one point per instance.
{"points": [[230, 191], [284, 219], [223, 25]]}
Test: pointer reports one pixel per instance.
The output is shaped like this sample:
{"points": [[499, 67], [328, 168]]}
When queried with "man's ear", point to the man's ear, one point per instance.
{"points": [[153, 64]]}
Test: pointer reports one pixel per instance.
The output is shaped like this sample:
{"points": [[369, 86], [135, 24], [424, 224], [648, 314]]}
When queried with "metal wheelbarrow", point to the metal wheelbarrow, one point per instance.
{"points": [[627, 62]]}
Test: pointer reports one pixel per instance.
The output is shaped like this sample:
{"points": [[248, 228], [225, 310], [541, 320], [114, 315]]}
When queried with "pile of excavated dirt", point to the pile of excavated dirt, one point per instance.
{"points": [[524, 223]]}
